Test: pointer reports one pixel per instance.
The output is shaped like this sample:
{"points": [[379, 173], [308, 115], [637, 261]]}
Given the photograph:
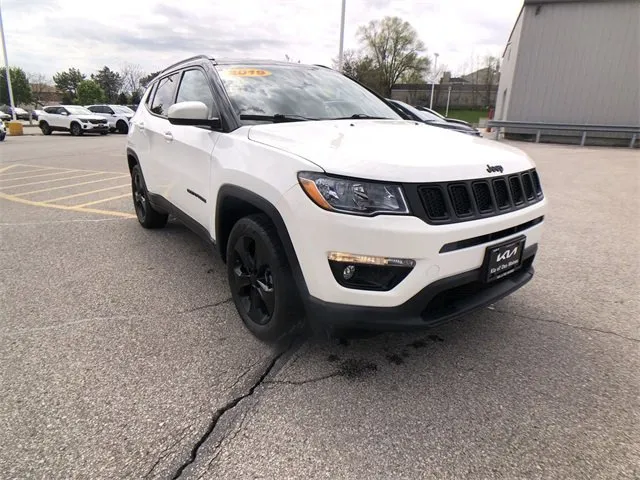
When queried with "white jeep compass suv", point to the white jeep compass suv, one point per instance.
{"points": [[324, 203]]}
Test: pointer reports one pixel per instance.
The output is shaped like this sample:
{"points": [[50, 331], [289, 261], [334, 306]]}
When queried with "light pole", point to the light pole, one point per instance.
{"points": [[6, 64], [340, 52], [435, 66]]}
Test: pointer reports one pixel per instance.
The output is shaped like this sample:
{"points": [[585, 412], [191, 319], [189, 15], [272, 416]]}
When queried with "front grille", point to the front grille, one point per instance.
{"points": [[482, 196], [98, 122], [434, 203], [459, 201], [501, 192], [528, 186]]}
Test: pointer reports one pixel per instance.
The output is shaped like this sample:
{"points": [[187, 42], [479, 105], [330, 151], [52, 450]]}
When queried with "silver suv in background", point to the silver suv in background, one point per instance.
{"points": [[117, 116]]}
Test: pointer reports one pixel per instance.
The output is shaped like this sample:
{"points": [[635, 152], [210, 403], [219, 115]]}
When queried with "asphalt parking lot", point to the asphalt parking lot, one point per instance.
{"points": [[123, 357]]}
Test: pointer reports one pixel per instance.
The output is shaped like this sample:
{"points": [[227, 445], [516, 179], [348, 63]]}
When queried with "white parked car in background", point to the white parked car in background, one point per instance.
{"points": [[3, 131], [71, 118], [118, 116]]}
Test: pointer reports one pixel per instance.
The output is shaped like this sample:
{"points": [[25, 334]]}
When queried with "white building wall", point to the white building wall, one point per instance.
{"points": [[507, 71], [577, 63]]}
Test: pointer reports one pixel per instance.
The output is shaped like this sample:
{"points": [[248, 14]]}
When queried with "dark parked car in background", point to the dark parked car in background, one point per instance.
{"points": [[412, 113], [21, 113], [442, 117]]}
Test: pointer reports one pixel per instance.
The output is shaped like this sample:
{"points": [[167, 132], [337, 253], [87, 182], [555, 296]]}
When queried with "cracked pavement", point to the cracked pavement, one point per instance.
{"points": [[123, 357]]}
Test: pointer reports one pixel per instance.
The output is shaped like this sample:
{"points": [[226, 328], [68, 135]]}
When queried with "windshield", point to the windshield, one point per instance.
{"points": [[304, 92], [75, 110], [122, 109]]}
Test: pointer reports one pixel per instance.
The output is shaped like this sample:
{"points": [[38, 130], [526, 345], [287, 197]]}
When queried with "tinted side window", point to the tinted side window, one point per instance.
{"points": [[149, 98], [195, 87], [51, 109], [94, 109], [163, 98]]}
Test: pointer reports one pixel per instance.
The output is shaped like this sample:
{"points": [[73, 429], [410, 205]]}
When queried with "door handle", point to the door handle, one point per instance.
{"points": [[168, 136], [140, 125]]}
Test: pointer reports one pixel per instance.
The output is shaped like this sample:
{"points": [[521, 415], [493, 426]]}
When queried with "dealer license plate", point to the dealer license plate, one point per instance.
{"points": [[504, 259]]}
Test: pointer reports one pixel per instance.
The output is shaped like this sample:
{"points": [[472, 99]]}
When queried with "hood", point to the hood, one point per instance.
{"points": [[393, 150]]}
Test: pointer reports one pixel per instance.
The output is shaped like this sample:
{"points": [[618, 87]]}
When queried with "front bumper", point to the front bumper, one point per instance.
{"points": [[95, 127], [435, 304], [315, 232]]}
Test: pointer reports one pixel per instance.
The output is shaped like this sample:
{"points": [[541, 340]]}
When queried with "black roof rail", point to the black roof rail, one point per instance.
{"points": [[323, 66], [186, 60]]}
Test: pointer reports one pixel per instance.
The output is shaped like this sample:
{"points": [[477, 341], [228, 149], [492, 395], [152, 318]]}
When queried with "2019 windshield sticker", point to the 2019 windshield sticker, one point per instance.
{"points": [[246, 72]]}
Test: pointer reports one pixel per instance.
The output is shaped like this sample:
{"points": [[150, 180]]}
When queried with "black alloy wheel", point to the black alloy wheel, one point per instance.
{"points": [[139, 194], [262, 286], [253, 280], [76, 129], [46, 129], [122, 127], [147, 216]]}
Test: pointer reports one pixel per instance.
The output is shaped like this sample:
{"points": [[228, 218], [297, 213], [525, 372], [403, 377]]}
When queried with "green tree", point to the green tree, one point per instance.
{"points": [[135, 98], [19, 85], [89, 92], [109, 81], [123, 99], [395, 48], [492, 64], [144, 81], [67, 82], [361, 68]]}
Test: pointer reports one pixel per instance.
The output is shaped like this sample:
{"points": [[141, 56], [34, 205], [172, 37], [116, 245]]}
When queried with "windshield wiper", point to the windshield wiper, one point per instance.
{"points": [[361, 116], [277, 118]]}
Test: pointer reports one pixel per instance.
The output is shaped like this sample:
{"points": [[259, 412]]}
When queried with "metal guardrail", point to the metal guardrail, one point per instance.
{"points": [[584, 128]]}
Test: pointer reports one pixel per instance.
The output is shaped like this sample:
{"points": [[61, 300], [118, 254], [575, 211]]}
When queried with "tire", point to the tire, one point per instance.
{"points": [[147, 216], [260, 279], [46, 129], [122, 127], [75, 129]]}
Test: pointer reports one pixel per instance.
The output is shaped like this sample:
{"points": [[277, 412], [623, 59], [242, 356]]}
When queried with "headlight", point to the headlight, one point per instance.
{"points": [[353, 196]]}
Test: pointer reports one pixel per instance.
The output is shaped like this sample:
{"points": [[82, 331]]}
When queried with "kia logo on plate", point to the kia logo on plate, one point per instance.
{"points": [[494, 168], [507, 254]]}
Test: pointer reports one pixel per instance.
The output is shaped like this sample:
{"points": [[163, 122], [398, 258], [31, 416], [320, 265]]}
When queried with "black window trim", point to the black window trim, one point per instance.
{"points": [[201, 69], [228, 117], [155, 91]]}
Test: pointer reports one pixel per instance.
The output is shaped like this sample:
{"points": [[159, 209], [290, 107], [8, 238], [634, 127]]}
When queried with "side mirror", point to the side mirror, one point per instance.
{"points": [[63, 113], [192, 113]]}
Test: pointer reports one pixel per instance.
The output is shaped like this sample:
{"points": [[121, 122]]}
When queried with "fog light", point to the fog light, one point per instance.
{"points": [[364, 272], [348, 272], [370, 260]]}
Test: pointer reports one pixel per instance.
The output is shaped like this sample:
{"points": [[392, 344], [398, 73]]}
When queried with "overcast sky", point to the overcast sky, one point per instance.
{"points": [[47, 36]]}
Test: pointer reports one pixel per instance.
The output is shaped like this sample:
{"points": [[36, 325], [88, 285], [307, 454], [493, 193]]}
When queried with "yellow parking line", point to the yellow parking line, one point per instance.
{"points": [[103, 200], [42, 167], [7, 168], [67, 186], [13, 198], [49, 181], [34, 176], [86, 193]]}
